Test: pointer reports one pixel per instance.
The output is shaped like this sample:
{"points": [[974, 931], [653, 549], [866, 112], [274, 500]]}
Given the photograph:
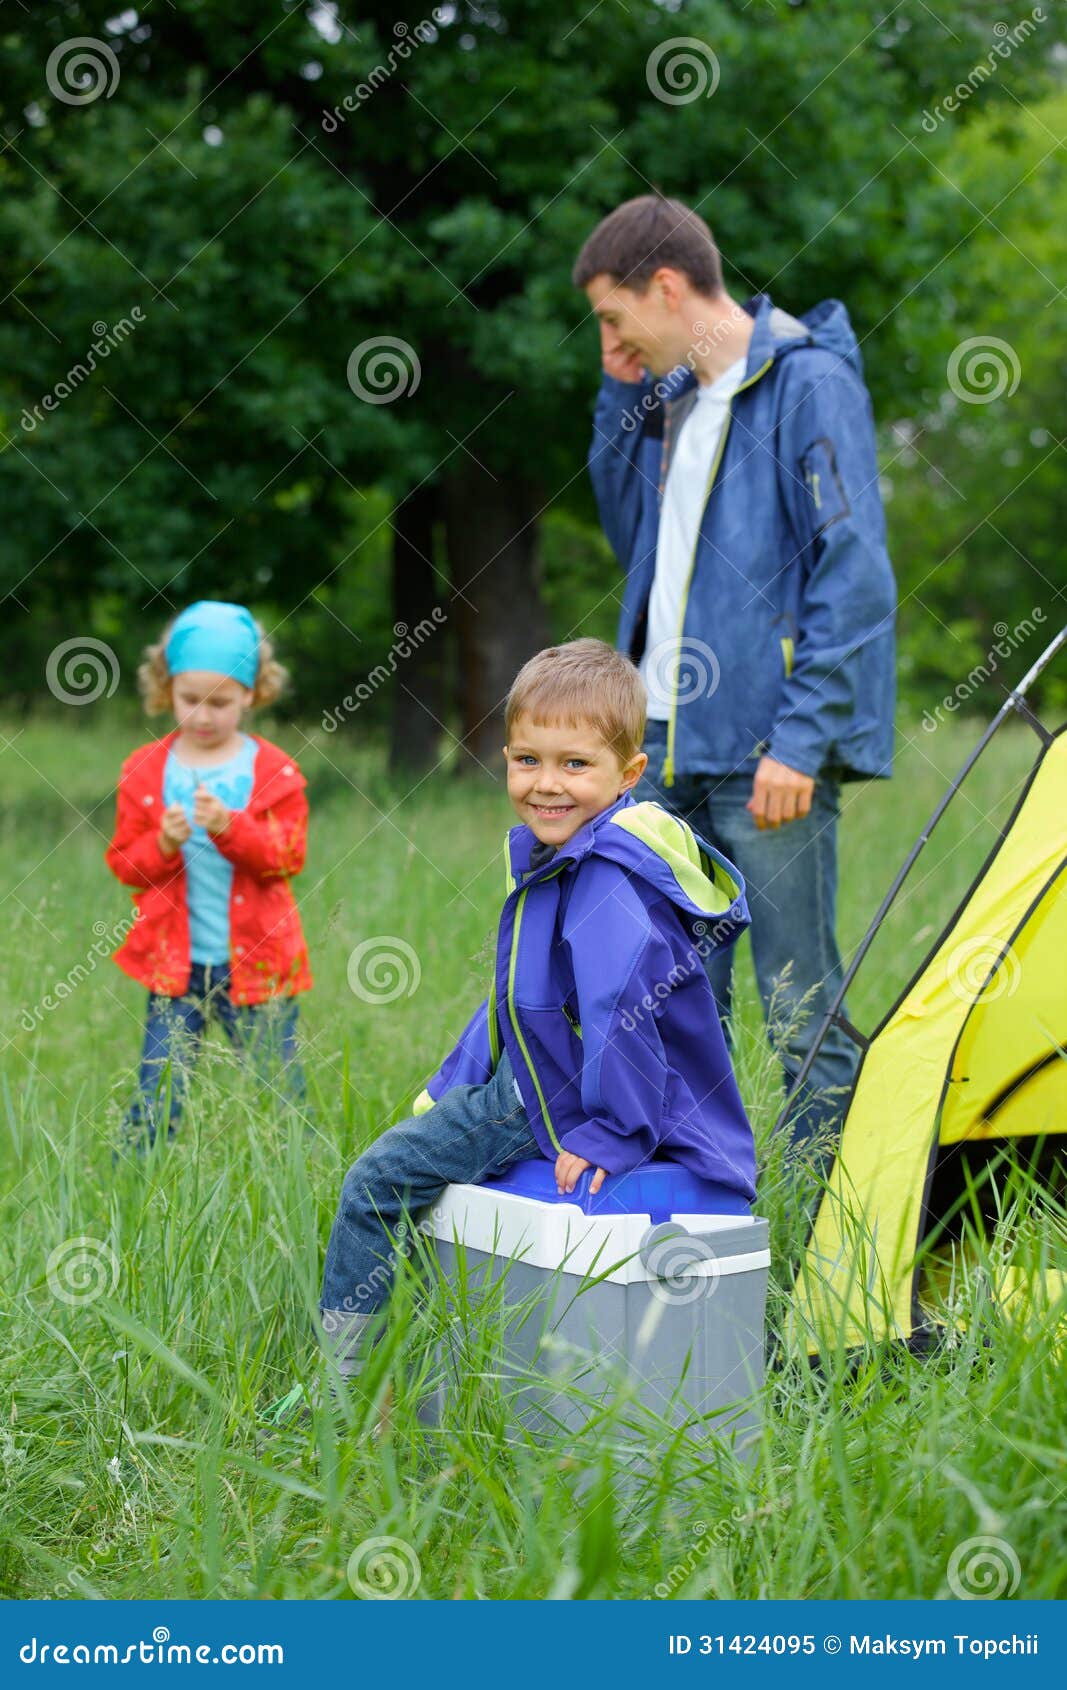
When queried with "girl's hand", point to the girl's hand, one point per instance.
{"points": [[174, 830], [569, 1166], [209, 811]]}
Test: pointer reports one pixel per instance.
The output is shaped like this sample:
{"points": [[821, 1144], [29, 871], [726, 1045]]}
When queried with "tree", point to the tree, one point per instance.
{"points": [[275, 192]]}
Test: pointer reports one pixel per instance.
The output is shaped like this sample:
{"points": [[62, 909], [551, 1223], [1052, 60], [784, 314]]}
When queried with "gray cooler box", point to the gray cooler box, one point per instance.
{"points": [[657, 1285]]}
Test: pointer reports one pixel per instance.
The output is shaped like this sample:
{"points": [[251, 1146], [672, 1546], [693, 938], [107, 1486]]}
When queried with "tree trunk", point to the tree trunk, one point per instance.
{"points": [[491, 526], [420, 625]]}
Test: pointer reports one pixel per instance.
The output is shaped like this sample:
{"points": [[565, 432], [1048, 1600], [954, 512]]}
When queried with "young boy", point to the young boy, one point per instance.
{"points": [[599, 1044]]}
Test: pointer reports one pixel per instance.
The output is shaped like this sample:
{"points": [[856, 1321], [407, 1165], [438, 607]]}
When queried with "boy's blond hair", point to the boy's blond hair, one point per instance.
{"points": [[584, 681], [154, 678]]}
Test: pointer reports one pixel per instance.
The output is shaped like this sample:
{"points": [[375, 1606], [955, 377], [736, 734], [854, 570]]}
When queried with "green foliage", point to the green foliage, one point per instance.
{"points": [[264, 230], [129, 1455]]}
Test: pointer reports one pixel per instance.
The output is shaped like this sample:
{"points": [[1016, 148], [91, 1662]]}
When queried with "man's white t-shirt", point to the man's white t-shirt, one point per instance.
{"points": [[684, 498]]}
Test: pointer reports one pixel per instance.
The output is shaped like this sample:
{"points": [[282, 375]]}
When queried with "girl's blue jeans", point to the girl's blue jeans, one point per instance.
{"points": [[263, 1033], [473, 1132]]}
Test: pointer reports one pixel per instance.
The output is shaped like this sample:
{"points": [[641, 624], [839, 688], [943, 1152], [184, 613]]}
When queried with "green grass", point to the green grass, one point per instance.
{"points": [[128, 1447]]}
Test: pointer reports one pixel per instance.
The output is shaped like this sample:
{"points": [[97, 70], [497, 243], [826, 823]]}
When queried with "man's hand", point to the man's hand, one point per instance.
{"points": [[568, 1167], [174, 830], [779, 794], [617, 359], [209, 811]]}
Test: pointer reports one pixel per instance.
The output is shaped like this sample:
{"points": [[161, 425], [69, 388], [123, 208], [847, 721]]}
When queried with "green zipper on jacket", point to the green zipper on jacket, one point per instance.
{"points": [[668, 762], [546, 1117]]}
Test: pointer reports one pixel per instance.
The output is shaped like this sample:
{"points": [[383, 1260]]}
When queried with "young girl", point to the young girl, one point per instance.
{"points": [[211, 824]]}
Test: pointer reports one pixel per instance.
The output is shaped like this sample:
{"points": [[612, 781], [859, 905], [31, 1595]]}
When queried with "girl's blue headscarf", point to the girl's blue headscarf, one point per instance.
{"points": [[216, 636]]}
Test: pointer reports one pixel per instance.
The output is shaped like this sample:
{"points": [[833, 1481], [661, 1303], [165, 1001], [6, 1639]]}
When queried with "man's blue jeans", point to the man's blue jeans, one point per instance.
{"points": [[791, 878], [264, 1033], [473, 1132]]}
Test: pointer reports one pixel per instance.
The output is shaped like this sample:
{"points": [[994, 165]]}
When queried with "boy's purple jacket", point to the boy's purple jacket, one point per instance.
{"points": [[602, 1002]]}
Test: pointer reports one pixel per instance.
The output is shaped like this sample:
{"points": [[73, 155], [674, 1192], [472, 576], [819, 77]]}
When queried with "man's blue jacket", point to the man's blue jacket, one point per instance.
{"points": [[787, 620], [602, 1001]]}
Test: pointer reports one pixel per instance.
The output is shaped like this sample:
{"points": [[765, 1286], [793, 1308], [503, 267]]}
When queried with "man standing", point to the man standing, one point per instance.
{"points": [[733, 461]]}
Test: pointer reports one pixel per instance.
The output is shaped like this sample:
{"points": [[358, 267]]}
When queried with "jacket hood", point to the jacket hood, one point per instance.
{"points": [[648, 841], [777, 332]]}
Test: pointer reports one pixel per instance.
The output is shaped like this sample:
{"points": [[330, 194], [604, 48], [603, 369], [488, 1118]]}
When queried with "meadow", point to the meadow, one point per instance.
{"points": [[128, 1446]]}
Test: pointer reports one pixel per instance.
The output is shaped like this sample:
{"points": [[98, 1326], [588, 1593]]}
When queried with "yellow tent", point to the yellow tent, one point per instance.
{"points": [[973, 1052]]}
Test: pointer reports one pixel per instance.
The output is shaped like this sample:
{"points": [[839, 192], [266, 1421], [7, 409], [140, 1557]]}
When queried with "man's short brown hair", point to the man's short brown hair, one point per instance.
{"points": [[639, 236], [584, 682]]}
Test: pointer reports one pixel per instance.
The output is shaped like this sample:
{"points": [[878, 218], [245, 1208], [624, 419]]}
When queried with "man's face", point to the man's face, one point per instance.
{"points": [[560, 777], [649, 325]]}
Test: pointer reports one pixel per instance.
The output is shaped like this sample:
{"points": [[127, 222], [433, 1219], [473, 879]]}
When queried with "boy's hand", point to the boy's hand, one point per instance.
{"points": [[209, 811], [174, 830], [568, 1167], [779, 794], [616, 359]]}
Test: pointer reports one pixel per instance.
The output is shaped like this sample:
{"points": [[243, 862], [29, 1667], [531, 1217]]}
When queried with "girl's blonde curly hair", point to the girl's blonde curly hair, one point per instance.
{"points": [[154, 678]]}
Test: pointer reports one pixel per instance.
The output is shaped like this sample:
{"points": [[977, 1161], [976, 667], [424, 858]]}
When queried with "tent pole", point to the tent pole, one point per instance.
{"points": [[1012, 702]]}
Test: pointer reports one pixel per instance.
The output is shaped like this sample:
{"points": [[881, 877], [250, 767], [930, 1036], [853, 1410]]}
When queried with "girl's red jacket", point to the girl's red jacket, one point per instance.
{"points": [[266, 843]]}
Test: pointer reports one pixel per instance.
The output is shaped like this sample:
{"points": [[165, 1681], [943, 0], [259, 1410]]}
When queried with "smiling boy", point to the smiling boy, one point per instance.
{"points": [[599, 1044]]}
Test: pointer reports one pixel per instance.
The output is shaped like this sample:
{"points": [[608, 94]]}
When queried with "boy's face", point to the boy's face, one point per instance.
{"points": [[207, 706], [562, 776]]}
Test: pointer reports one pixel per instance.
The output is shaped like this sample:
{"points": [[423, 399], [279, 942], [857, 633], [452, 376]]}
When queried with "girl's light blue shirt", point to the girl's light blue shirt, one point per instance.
{"points": [[208, 875]]}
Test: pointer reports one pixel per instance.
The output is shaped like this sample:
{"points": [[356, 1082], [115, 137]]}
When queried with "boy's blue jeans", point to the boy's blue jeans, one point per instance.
{"points": [[264, 1033], [472, 1133], [791, 878]]}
